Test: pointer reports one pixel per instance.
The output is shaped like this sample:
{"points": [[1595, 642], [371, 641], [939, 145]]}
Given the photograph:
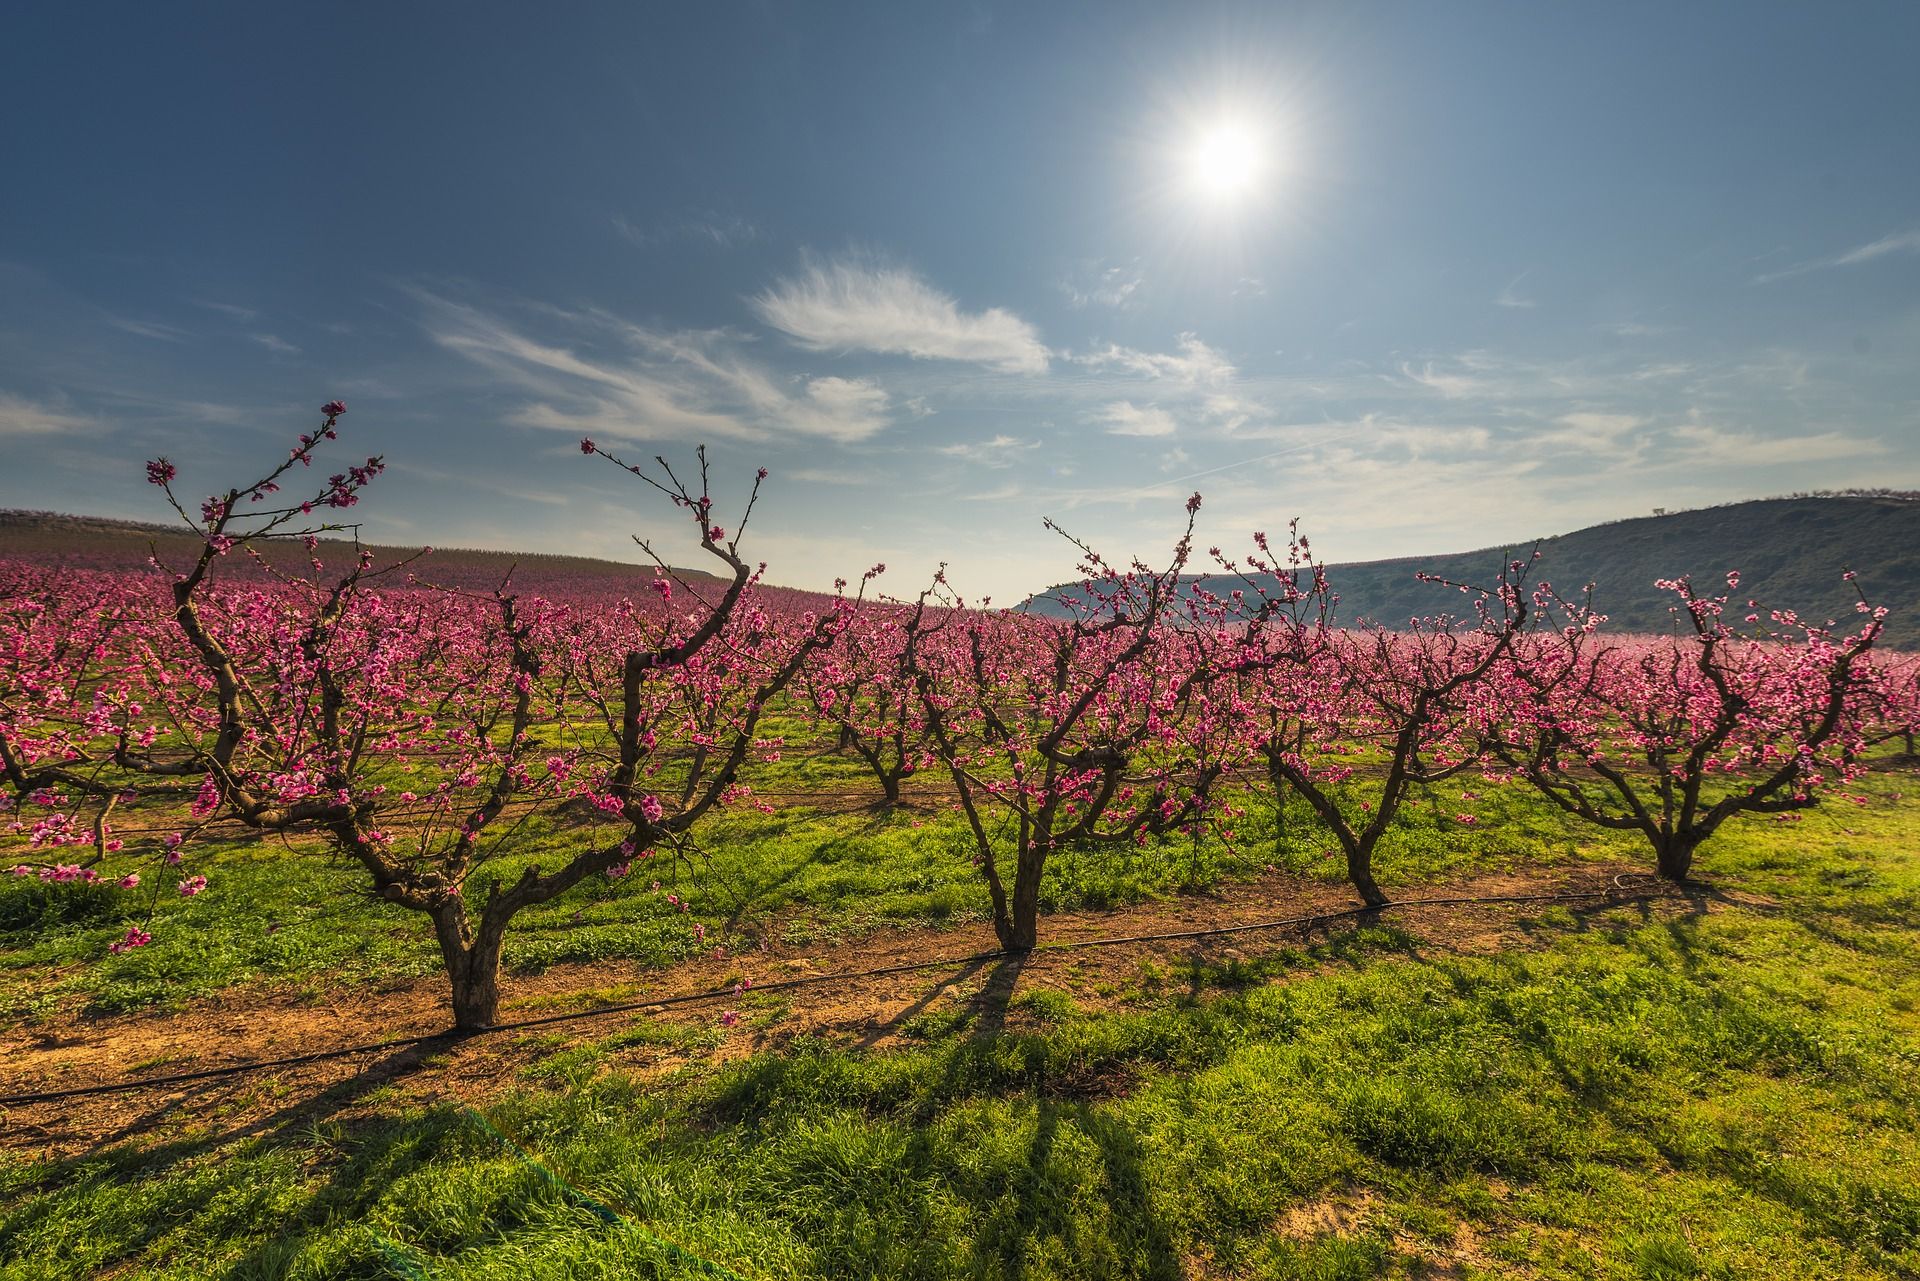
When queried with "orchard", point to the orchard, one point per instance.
{"points": [[414, 729]]}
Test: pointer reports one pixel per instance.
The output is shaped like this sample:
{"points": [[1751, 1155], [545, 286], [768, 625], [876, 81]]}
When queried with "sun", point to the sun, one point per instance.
{"points": [[1227, 160]]}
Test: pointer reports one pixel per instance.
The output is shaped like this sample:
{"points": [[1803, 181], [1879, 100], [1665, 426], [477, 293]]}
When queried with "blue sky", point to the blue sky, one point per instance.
{"points": [[1491, 271]]}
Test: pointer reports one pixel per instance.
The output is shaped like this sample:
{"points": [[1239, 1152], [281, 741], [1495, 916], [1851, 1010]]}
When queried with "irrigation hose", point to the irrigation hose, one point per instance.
{"points": [[779, 985]]}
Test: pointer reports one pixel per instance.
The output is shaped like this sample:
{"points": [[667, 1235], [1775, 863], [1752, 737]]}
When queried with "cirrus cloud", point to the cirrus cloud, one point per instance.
{"points": [[1124, 418], [851, 305]]}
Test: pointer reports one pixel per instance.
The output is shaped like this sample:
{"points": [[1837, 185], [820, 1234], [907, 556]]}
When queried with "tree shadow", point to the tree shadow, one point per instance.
{"points": [[118, 1153], [883, 1028], [1006, 1248]]}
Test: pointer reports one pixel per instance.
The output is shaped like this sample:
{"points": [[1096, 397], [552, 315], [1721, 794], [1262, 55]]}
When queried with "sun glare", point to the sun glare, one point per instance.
{"points": [[1227, 160]]}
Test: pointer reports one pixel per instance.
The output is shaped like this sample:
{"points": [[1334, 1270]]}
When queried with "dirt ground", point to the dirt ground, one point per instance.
{"points": [[263, 1022]]}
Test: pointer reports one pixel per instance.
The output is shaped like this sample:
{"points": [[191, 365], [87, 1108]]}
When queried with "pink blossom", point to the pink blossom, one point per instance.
{"points": [[135, 937]]}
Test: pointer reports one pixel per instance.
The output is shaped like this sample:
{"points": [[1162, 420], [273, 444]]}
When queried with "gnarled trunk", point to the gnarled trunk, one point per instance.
{"points": [[1360, 873], [1019, 927], [1674, 852], [473, 967]]}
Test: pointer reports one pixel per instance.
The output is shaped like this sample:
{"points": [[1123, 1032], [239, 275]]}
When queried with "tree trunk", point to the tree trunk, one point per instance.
{"points": [[1675, 853], [1021, 930], [473, 970], [1360, 872]]}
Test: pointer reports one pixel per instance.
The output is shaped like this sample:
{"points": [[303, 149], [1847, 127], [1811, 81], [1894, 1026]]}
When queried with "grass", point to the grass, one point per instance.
{"points": [[813, 874], [1717, 1095]]}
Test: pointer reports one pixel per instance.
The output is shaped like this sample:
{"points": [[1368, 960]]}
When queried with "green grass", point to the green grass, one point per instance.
{"points": [[814, 875], [1720, 1096]]}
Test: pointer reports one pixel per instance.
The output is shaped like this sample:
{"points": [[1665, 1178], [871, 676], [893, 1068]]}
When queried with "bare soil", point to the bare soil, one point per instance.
{"points": [[265, 1022]]}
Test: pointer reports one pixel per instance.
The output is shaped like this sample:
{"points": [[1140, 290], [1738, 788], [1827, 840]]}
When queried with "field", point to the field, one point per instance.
{"points": [[1715, 1082], [368, 926], [973, 642]]}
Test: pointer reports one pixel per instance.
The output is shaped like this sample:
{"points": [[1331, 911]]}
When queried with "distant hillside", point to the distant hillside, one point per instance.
{"points": [[1790, 553], [92, 542]]}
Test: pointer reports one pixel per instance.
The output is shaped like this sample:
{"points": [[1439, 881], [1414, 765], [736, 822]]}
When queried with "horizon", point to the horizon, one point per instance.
{"points": [[1412, 276], [342, 534]]}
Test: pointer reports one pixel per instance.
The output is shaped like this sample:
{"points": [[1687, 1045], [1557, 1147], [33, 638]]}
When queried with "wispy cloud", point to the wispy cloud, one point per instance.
{"points": [[1511, 295], [1598, 424], [234, 310], [22, 417], [1449, 384], [1706, 443], [1104, 285], [628, 382], [1124, 418], [721, 231], [998, 494], [1900, 242], [1193, 364], [148, 329], [851, 305], [1589, 432], [275, 344], [1000, 451]]}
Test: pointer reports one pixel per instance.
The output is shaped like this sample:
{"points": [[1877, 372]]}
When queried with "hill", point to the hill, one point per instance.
{"points": [[94, 542], [1790, 553]]}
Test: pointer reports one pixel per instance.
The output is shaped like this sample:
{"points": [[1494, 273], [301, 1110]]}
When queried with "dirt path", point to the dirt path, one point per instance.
{"points": [[262, 1023]]}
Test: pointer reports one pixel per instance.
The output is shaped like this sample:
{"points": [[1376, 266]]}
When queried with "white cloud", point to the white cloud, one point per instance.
{"points": [[1001, 451], [1511, 296], [998, 494], [846, 408], [1447, 384], [1703, 442], [22, 417], [1603, 425], [849, 305], [147, 328], [828, 476], [1124, 418], [228, 309], [654, 384], [1666, 369], [1097, 283], [1592, 432], [1194, 364], [722, 231], [275, 344], [1898, 242]]}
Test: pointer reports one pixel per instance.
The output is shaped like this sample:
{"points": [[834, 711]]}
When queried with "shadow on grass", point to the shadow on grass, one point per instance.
{"points": [[118, 1154]]}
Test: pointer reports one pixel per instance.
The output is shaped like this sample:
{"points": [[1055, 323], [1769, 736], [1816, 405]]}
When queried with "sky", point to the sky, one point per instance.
{"points": [[1426, 277]]}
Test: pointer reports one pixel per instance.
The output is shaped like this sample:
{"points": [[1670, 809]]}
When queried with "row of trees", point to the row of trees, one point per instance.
{"points": [[419, 730]]}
